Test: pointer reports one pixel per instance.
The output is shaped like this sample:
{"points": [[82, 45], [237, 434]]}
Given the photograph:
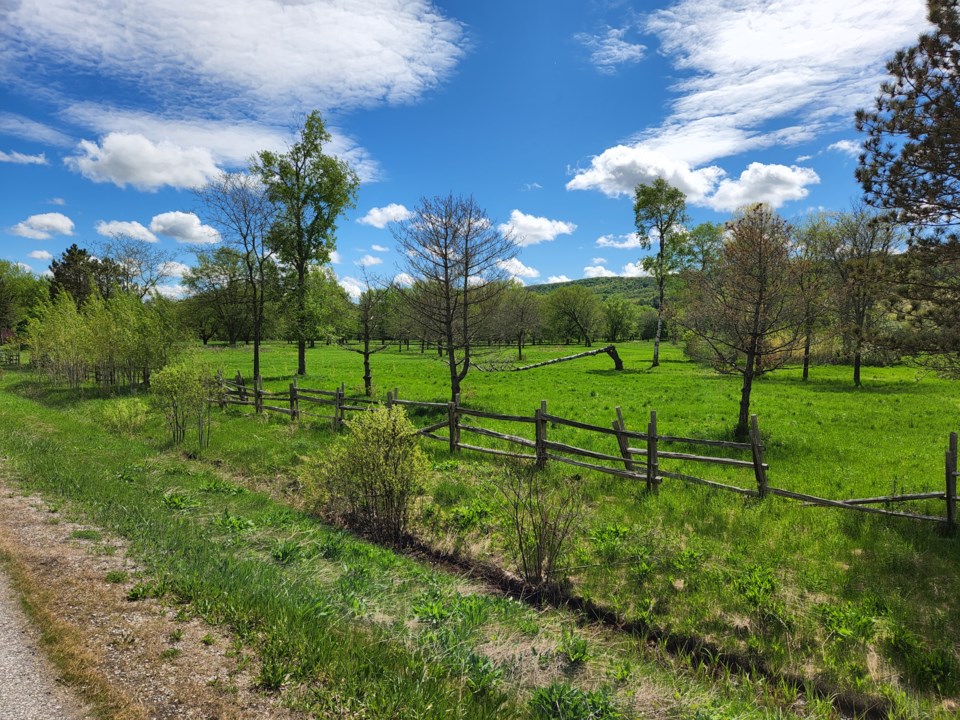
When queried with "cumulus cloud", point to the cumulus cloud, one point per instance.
{"points": [[403, 279], [557, 279], [847, 147], [174, 292], [19, 158], [771, 184], [634, 270], [368, 261], [530, 229], [595, 271], [609, 50], [41, 255], [379, 248], [516, 269], [174, 269], [353, 287], [266, 56], [184, 228], [381, 217], [44, 226], [131, 159], [335, 257], [630, 241], [24, 267], [131, 229], [753, 75]]}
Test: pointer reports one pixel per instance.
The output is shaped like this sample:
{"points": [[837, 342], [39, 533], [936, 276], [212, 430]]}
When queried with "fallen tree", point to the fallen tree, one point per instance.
{"points": [[610, 350]]}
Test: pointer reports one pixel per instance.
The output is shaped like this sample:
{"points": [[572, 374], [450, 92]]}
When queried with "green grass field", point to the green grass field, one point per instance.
{"points": [[858, 602]]}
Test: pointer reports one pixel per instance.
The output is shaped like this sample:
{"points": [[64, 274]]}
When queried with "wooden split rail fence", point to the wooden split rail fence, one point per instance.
{"points": [[647, 457], [9, 357]]}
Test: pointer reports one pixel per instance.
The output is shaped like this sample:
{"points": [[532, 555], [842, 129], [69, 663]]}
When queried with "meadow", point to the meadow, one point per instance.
{"points": [[855, 603]]}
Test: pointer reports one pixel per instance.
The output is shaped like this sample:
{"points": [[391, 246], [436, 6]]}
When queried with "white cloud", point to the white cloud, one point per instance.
{"points": [[403, 279], [131, 229], [265, 56], [174, 292], [516, 269], [595, 271], [19, 158], [368, 261], [804, 158], [771, 184], [754, 75], [379, 248], [56, 201], [598, 261], [381, 217], [609, 50], [353, 287], [847, 147], [24, 267], [24, 127], [184, 228], [44, 226], [634, 270], [530, 229], [41, 255], [131, 159], [557, 279], [335, 257], [527, 187], [174, 269], [631, 241]]}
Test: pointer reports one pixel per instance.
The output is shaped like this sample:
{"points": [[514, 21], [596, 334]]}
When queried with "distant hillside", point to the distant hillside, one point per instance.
{"points": [[641, 289]]}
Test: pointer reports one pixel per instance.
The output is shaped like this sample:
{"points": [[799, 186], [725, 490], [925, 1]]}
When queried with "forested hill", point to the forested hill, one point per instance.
{"points": [[641, 289]]}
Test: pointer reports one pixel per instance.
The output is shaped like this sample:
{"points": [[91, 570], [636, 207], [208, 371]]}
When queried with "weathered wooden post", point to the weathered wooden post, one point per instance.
{"points": [[453, 423], [241, 388], [540, 423], [758, 466], [622, 441], [258, 394], [294, 401], [951, 477], [389, 399], [653, 465], [221, 390]]}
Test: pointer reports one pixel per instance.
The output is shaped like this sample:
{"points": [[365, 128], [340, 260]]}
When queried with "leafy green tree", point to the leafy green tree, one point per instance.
{"points": [[574, 311], [21, 295], [311, 190], [521, 315], [813, 239], [704, 243], [219, 283], [748, 311], [620, 316], [910, 165], [661, 210], [78, 273], [140, 266]]}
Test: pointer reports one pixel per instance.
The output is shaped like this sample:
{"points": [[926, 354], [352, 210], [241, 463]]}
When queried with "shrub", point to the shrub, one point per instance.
{"points": [[126, 415], [541, 514], [184, 391], [372, 474]]}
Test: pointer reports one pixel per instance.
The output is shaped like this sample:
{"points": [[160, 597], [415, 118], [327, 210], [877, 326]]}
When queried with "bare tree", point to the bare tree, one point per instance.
{"points": [[141, 265], [748, 310], [238, 206], [370, 309], [454, 253]]}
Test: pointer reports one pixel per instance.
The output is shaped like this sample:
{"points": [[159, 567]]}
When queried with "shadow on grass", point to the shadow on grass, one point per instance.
{"points": [[59, 397]]}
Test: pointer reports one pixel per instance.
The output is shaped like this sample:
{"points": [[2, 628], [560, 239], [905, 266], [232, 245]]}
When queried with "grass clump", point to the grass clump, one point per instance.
{"points": [[372, 475]]}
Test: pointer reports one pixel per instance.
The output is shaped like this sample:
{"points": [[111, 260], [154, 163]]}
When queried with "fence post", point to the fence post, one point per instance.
{"points": [[453, 422], [258, 394], [951, 476], [541, 435], [294, 401], [389, 399], [757, 448], [653, 464], [337, 402], [622, 441], [241, 387]]}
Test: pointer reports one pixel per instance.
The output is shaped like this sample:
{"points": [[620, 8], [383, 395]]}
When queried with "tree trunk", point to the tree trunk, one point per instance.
{"points": [[857, 361], [806, 353], [743, 422], [660, 283]]}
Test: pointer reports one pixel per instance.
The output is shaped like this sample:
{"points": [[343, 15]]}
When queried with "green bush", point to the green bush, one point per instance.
{"points": [[183, 392], [126, 415], [372, 475]]}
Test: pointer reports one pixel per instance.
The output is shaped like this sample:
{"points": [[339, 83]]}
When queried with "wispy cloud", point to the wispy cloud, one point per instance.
{"points": [[610, 50], [848, 147], [755, 76], [19, 158]]}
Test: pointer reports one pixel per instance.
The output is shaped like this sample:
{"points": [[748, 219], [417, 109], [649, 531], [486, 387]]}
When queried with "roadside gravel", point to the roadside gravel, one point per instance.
{"points": [[28, 686]]}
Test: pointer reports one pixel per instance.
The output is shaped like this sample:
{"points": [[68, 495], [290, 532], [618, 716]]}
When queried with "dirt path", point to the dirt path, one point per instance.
{"points": [[29, 689], [130, 659]]}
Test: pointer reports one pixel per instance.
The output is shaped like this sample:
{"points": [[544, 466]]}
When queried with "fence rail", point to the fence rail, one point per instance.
{"points": [[640, 464], [9, 357]]}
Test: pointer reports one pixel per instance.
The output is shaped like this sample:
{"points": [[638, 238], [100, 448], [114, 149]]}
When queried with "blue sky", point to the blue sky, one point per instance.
{"points": [[548, 113]]}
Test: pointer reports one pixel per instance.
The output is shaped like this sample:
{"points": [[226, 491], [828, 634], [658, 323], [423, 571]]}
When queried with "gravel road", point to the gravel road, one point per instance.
{"points": [[28, 688]]}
